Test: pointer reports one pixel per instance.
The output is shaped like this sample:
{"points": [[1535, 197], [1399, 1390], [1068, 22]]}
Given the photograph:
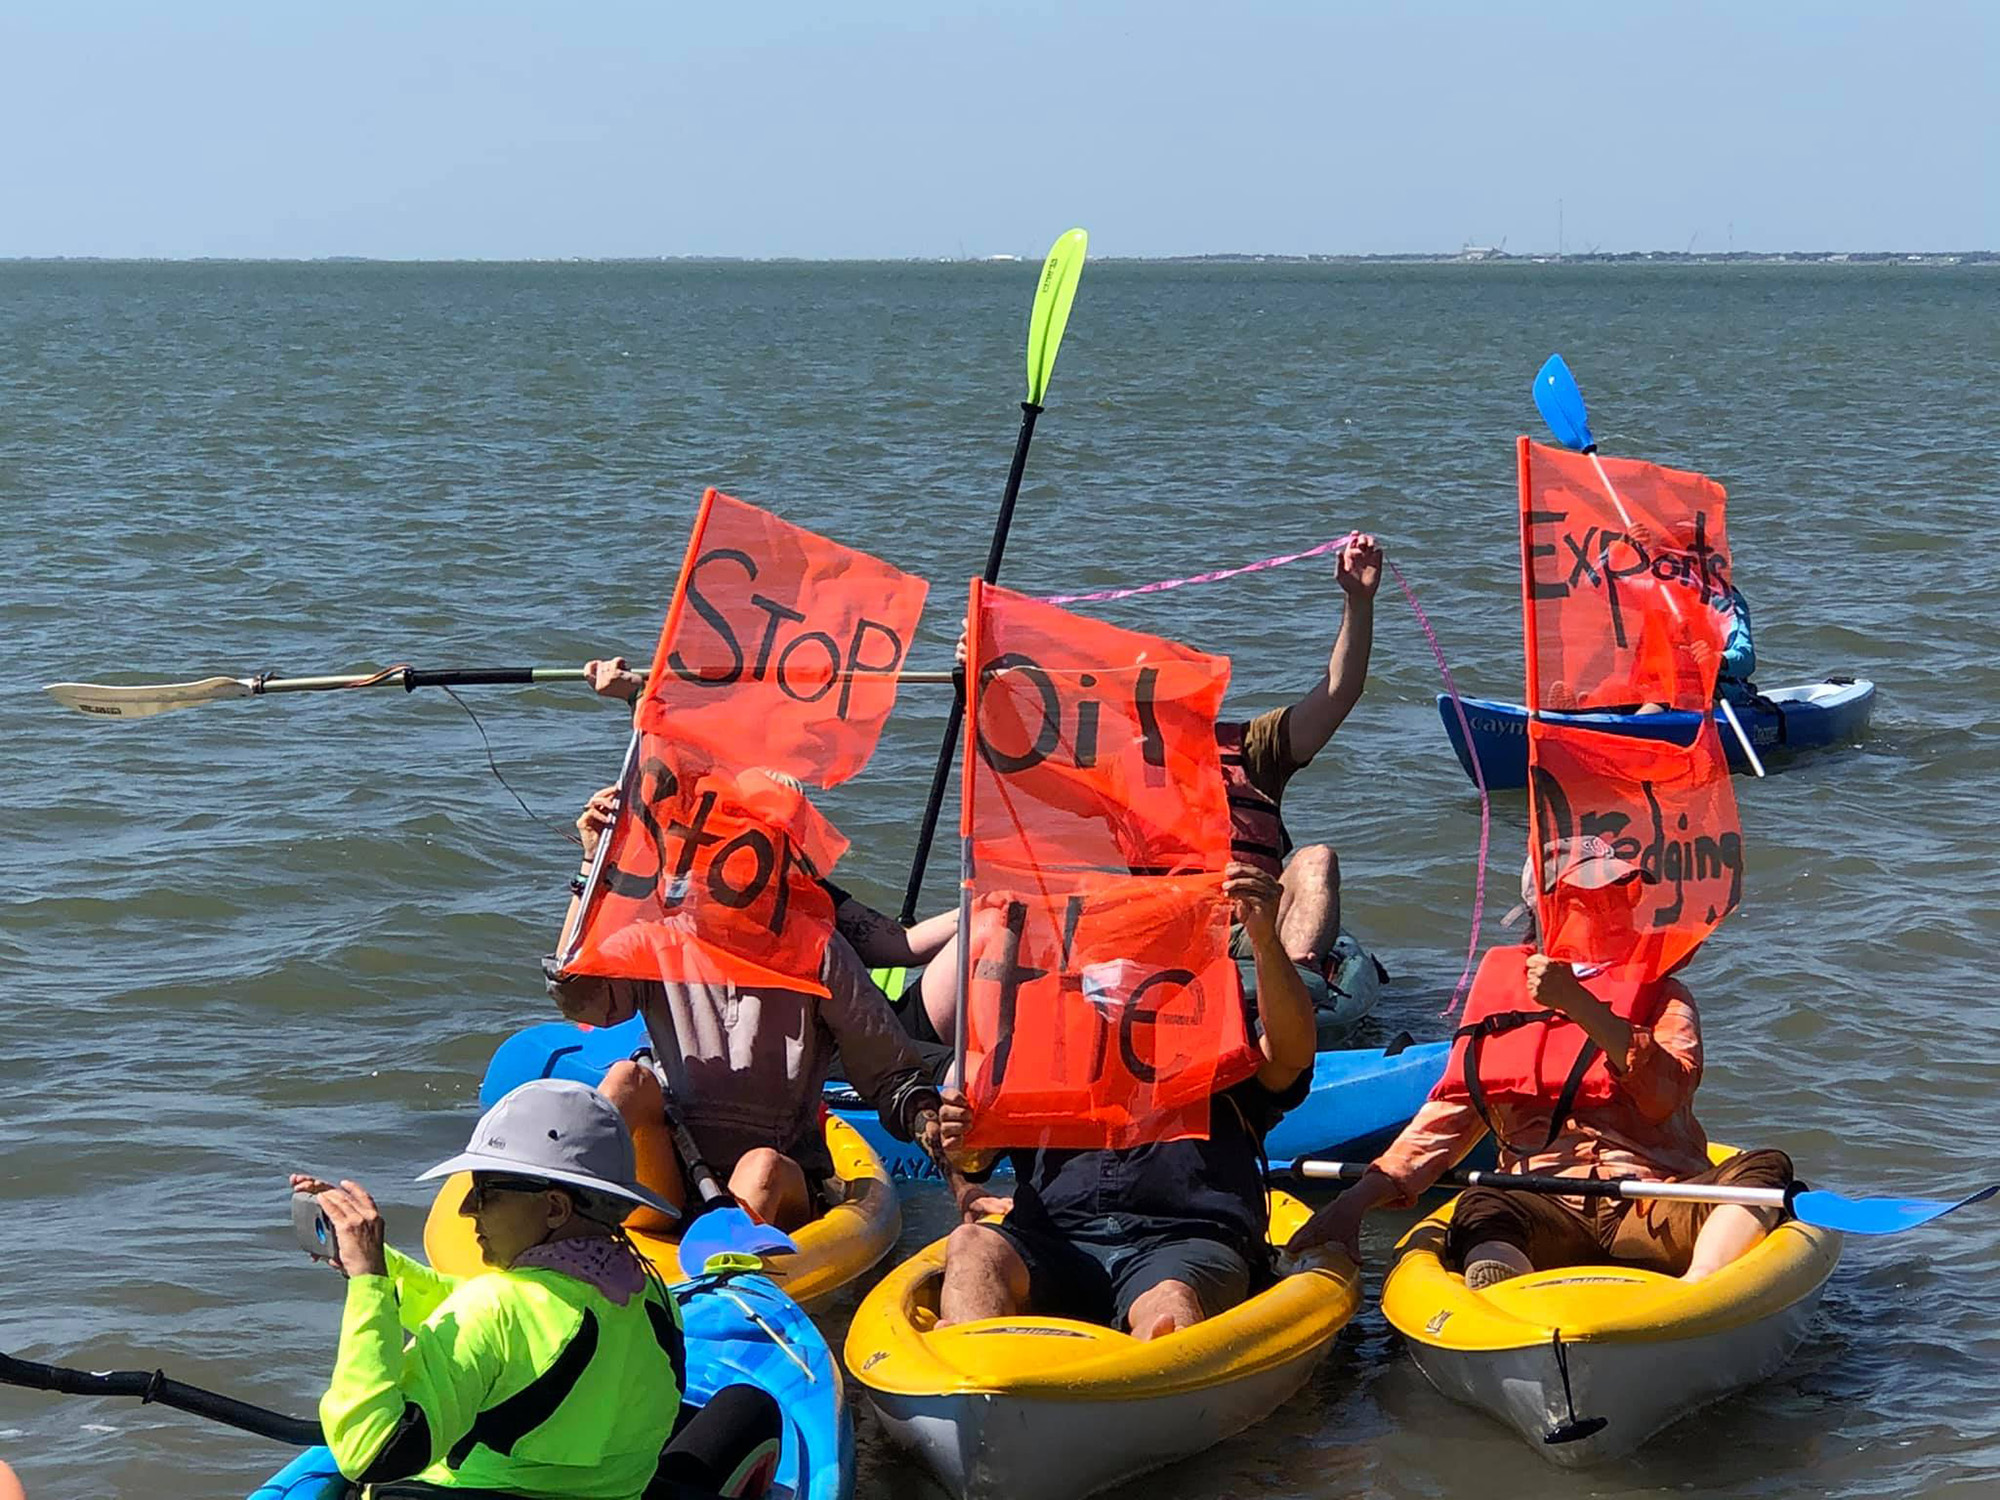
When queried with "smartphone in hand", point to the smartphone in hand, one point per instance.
{"points": [[314, 1231]]}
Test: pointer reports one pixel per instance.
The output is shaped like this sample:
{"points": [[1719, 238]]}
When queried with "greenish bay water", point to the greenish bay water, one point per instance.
{"points": [[288, 933]]}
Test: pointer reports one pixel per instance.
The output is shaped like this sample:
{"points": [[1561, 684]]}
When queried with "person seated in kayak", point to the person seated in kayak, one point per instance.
{"points": [[746, 1069], [903, 960], [1739, 651], [1156, 1237], [1630, 1115], [1260, 756], [561, 1371]]}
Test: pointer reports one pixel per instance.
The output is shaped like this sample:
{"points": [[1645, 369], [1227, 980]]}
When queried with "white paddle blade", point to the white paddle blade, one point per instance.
{"points": [[138, 700]]}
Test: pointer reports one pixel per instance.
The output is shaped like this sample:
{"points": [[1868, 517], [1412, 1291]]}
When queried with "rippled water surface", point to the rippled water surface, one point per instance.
{"points": [[288, 932]]}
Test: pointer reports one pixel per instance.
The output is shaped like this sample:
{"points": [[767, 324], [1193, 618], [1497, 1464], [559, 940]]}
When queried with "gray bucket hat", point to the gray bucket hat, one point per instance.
{"points": [[559, 1130]]}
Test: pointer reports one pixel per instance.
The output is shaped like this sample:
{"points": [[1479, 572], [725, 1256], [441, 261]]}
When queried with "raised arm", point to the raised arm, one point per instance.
{"points": [[1284, 1009], [1323, 709]]}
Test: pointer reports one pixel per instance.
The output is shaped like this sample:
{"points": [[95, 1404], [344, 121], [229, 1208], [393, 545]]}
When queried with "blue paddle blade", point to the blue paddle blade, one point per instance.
{"points": [[1561, 405], [1878, 1215], [729, 1231]]}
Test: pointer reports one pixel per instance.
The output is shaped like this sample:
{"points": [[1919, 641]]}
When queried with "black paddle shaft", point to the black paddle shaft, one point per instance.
{"points": [[154, 1386], [948, 750], [467, 677]]}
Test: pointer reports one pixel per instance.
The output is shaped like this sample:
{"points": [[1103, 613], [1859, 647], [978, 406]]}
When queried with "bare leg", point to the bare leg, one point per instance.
{"points": [[1163, 1309], [636, 1092], [1309, 910], [984, 1277], [773, 1187], [1731, 1232], [939, 990]]}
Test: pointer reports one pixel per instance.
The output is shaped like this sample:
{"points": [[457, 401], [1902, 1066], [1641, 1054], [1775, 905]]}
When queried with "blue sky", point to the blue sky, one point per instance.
{"points": [[285, 128]]}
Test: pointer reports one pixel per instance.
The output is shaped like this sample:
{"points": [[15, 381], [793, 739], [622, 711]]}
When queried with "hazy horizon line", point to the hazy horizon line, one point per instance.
{"points": [[1470, 255]]}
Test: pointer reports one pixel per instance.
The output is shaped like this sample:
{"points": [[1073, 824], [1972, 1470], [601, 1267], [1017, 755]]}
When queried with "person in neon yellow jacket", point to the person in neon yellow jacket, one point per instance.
{"points": [[558, 1373]]}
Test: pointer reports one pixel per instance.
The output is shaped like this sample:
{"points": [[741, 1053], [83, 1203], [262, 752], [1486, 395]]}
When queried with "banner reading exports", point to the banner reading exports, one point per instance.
{"points": [[781, 647], [1625, 579], [1668, 809], [1103, 1008]]}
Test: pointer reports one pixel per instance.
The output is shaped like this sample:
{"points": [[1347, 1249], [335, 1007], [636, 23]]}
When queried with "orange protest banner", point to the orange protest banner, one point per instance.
{"points": [[1625, 581], [1668, 809], [780, 647], [712, 877], [1103, 1008]]}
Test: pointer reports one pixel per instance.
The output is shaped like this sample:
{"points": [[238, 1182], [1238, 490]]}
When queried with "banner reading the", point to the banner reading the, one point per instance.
{"points": [[1668, 809], [781, 647], [1625, 581], [1104, 1009]]}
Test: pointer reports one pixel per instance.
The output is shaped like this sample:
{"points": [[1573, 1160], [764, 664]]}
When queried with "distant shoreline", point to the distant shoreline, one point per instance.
{"points": [[1469, 257]]}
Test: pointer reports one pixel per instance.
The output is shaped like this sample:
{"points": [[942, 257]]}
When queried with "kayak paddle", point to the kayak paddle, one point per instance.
{"points": [[139, 700], [1808, 1205], [153, 1385], [1561, 405], [1053, 296]]}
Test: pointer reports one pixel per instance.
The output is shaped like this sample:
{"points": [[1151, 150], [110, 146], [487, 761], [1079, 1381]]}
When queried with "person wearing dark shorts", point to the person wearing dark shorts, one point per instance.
{"points": [[1156, 1237], [1095, 1273]]}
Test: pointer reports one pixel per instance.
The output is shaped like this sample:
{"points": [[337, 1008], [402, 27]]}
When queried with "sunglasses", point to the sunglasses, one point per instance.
{"points": [[482, 1187]]}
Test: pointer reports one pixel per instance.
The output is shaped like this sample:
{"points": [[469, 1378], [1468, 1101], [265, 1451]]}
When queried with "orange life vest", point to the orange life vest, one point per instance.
{"points": [[1257, 833], [1510, 1050]]}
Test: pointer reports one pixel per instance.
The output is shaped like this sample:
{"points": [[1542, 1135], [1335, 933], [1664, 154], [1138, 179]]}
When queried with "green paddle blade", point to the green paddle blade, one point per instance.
{"points": [[1060, 274]]}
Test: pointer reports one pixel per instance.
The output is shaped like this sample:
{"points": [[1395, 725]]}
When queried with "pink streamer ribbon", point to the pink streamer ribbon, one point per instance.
{"points": [[1105, 596]]}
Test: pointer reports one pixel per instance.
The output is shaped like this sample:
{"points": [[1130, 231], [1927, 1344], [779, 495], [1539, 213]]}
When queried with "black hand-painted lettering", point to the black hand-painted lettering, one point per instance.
{"points": [[1661, 861], [1581, 568], [1138, 1013], [692, 834], [1086, 733], [1538, 587], [764, 860], [822, 685], [1145, 702], [656, 784], [773, 613], [1010, 975], [716, 622], [1050, 734], [858, 661]]}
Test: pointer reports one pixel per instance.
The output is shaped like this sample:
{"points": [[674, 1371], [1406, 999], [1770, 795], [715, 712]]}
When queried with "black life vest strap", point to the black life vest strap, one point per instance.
{"points": [[1513, 1020]]}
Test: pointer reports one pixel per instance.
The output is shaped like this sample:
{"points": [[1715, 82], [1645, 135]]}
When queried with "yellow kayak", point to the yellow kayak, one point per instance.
{"points": [[1030, 1408], [1587, 1362], [835, 1249]]}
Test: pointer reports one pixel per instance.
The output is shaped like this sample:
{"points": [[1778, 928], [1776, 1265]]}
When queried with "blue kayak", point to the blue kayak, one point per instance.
{"points": [[1358, 1098], [1780, 722], [743, 1332]]}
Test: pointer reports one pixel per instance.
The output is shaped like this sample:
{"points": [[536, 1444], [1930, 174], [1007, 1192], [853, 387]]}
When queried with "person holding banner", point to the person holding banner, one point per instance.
{"points": [[1259, 759], [1153, 1237], [745, 1066], [924, 984], [1558, 1107]]}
